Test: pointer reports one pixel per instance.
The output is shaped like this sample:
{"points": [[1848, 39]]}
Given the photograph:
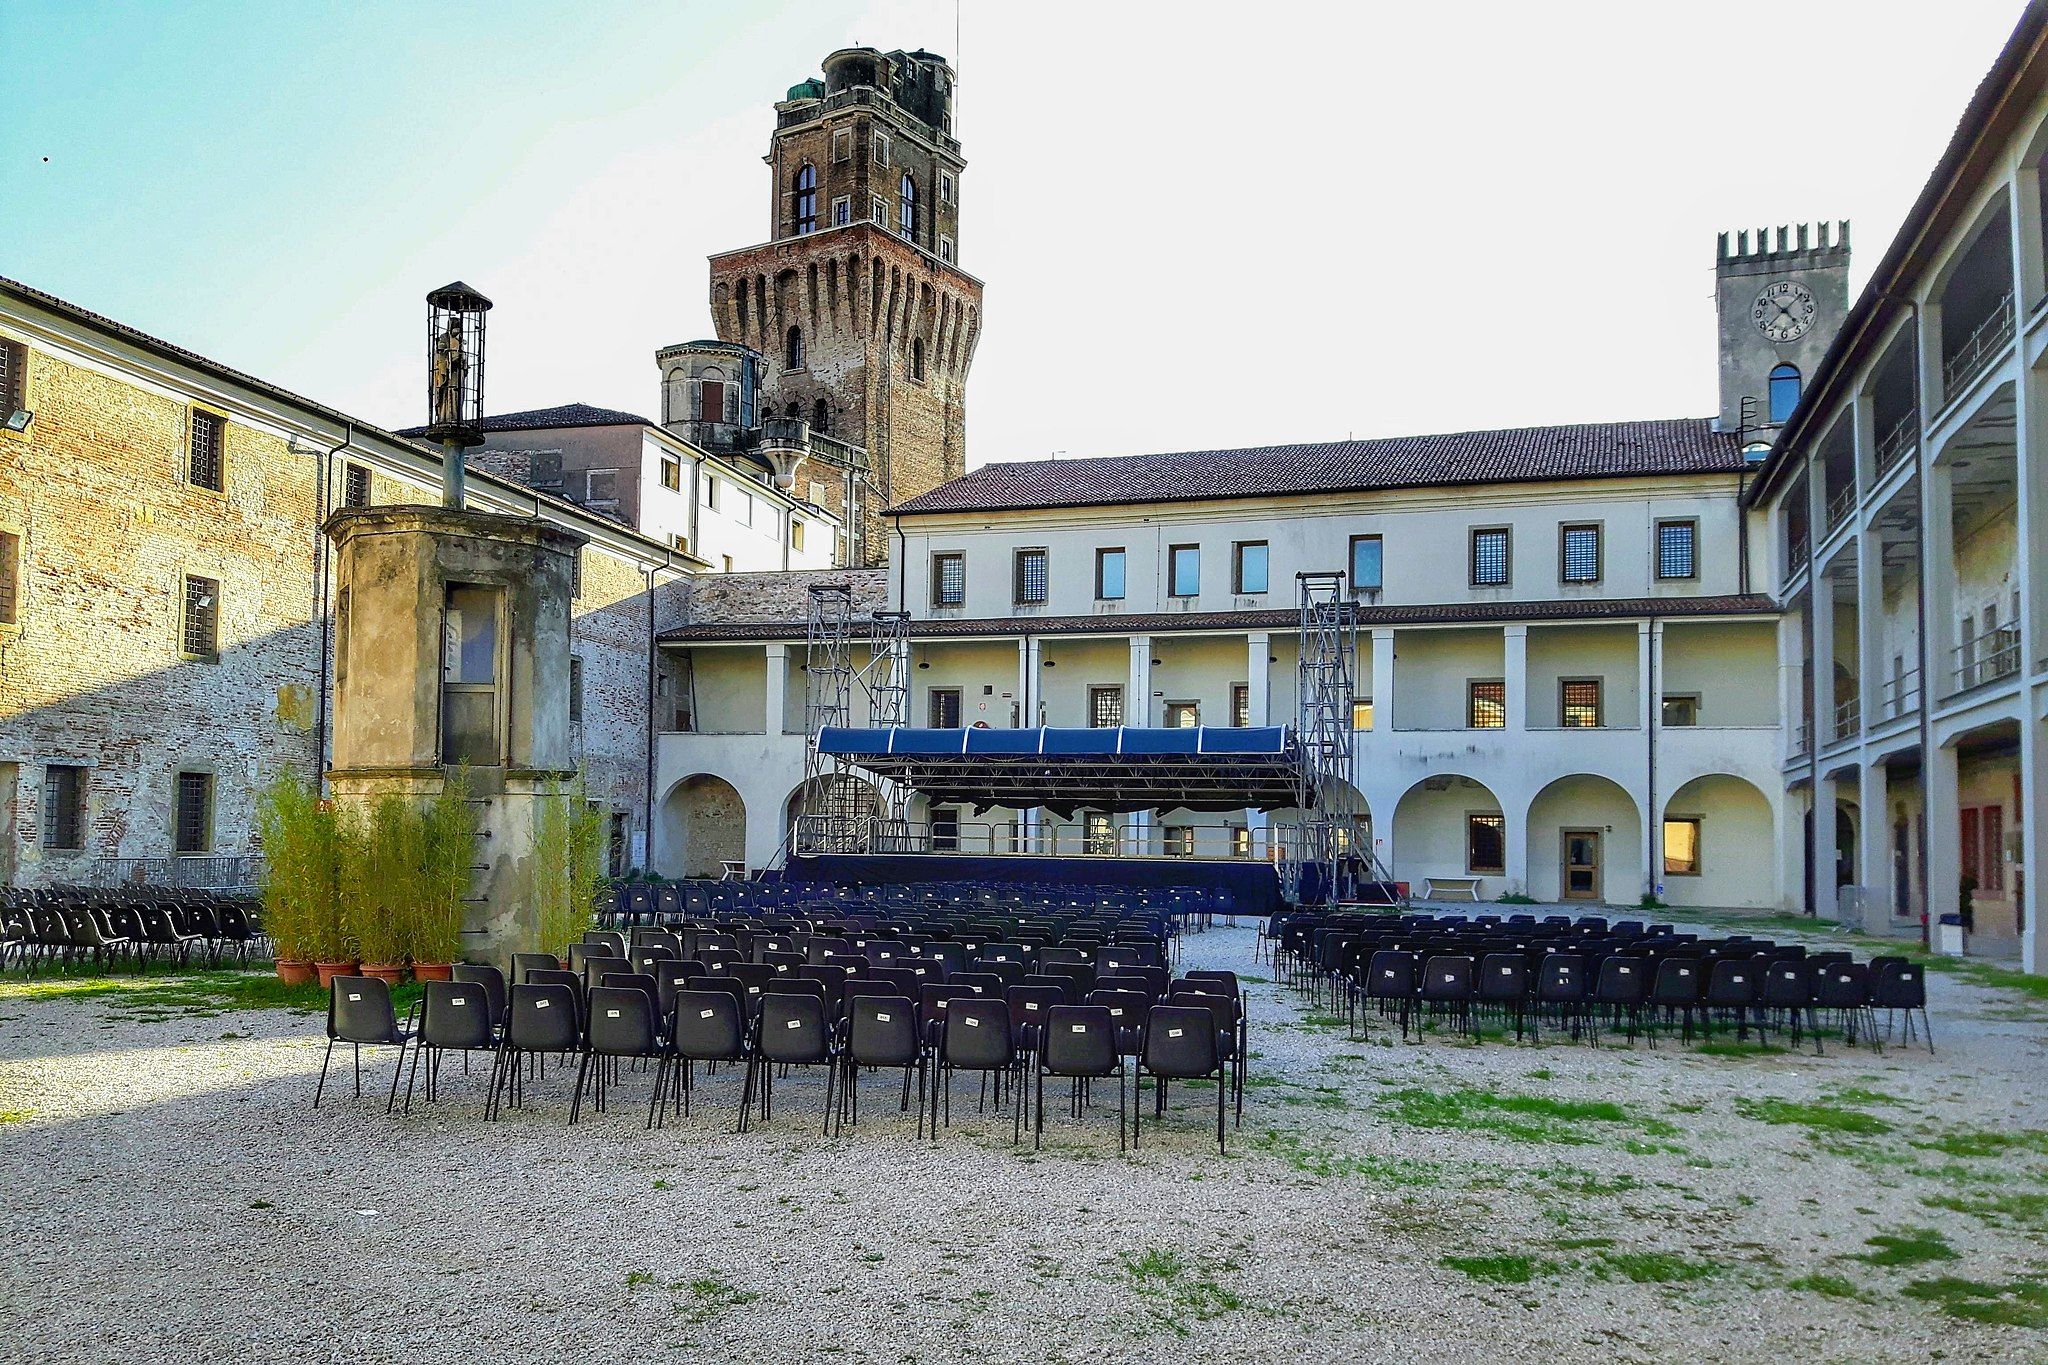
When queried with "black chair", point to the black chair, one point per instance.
{"points": [[1503, 986], [1676, 989], [1899, 988], [1127, 1012], [977, 1036], [709, 1025], [881, 1032], [1734, 987], [623, 1024], [1844, 987], [1390, 980], [359, 1013], [795, 1031], [1619, 992], [1562, 988], [1447, 988], [492, 982], [540, 1017], [1180, 1044], [522, 963], [1080, 1044], [455, 1016]]}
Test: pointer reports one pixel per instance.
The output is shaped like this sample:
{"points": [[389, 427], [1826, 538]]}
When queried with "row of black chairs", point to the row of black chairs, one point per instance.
{"points": [[128, 931]]}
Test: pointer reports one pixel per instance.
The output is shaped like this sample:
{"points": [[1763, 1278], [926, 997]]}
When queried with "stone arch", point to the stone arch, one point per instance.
{"points": [[1430, 827], [704, 824], [1586, 801], [1734, 831]]}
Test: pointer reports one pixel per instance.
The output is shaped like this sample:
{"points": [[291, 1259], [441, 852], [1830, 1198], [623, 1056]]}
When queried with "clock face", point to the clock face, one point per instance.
{"points": [[1784, 311]]}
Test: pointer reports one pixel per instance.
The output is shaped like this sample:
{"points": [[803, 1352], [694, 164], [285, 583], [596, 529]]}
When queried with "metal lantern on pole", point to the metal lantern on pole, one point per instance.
{"points": [[455, 378]]}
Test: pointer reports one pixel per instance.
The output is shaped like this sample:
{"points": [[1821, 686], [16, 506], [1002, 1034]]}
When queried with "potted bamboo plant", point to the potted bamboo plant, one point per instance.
{"points": [[388, 871], [568, 867], [447, 851], [303, 849]]}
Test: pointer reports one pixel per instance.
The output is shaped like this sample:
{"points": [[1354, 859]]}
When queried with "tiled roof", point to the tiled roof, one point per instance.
{"points": [[1155, 623], [543, 419], [1592, 451]]}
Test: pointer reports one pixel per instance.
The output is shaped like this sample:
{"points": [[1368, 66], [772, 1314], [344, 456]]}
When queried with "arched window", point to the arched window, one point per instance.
{"points": [[807, 199], [821, 417], [1784, 392], [793, 349], [906, 209], [711, 395], [917, 358]]}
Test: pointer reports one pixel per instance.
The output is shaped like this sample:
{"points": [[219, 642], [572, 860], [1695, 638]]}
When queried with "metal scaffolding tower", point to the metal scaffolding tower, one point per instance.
{"points": [[838, 809], [1329, 835]]}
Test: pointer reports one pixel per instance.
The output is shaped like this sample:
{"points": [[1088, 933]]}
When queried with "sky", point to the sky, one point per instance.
{"points": [[1199, 225]]}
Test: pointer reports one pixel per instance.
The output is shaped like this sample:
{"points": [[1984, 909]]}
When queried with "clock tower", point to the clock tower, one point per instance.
{"points": [[1781, 297]]}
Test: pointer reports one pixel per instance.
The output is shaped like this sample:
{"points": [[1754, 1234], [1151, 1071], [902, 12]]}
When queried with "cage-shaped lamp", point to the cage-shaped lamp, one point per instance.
{"points": [[455, 365]]}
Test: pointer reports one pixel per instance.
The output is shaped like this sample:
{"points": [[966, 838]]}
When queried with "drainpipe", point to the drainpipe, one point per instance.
{"points": [[1656, 714], [654, 687], [321, 559], [1814, 533]]}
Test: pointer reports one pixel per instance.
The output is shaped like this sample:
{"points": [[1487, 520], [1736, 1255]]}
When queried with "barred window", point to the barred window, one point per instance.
{"points": [[1579, 553], [1105, 707], [10, 579], [1240, 704], [63, 806], [193, 816], [1578, 703], [1030, 577], [1486, 704], [1486, 843], [945, 708], [199, 633], [1490, 558], [1677, 550], [1180, 841], [13, 378], [949, 580], [1099, 834], [203, 464], [355, 486]]}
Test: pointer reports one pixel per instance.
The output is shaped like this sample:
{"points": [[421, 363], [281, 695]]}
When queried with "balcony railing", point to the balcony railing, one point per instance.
{"points": [[198, 872], [1985, 659], [1901, 695], [1796, 552], [1978, 348], [1799, 738], [1848, 718], [1842, 505], [1898, 443]]}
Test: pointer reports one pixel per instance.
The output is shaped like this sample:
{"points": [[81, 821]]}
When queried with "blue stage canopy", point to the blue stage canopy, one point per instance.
{"points": [[1126, 769]]}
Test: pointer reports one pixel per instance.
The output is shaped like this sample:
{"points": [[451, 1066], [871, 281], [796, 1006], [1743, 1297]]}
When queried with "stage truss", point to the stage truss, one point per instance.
{"points": [[1328, 837], [838, 809]]}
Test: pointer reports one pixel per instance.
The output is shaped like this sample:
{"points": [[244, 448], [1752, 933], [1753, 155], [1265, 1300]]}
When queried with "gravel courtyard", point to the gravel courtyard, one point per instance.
{"points": [[173, 1197]]}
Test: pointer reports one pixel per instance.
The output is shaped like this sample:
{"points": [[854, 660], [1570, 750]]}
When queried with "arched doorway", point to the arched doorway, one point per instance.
{"points": [[704, 825], [1450, 826], [1586, 842], [1717, 836]]}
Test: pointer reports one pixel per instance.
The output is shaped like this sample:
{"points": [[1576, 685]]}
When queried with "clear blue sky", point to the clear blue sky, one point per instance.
{"points": [[1196, 229]]}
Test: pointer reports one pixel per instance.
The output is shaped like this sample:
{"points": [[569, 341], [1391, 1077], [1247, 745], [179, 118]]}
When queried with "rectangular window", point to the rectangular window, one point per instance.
{"points": [[10, 579], [355, 486], [842, 144], [192, 819], [1109, 575], [945, 708], [575, 689], [946, 249], [1486, 704], [13, 378], [1578, 703], [709, 493], [199, 630], [1486, 843], [1098, 834], [1183, 715], [1249, 563], [1677, 550], [1184, 570], [1240, 842], [204, 457], [671, 474], [469, 677], [679, 541], [1180, 841], [946, 830], [945, 188], [878, 149], [63, 806], [949, 580], [1361, 713], [1027, 577], [601, 486], [1578, 554], [878, 209], [842, 211], [1366, 564], [1681, 708], [1490, 557], [1241, 704], [1682, 846], [796, 534], [1105, 708]]}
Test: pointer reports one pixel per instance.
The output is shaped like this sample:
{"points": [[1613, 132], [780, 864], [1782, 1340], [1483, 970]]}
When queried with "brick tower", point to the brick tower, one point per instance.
{"points": [[857, 301]]}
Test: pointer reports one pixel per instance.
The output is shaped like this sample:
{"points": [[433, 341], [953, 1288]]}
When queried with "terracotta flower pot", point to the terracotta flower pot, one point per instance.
{"points": [[389, 972], [329, 970], [294, 971], [432, 971]]}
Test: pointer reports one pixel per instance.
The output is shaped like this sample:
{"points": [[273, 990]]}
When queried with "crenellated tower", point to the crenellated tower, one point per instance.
{"points": [[1780, 304], [864, 321]]}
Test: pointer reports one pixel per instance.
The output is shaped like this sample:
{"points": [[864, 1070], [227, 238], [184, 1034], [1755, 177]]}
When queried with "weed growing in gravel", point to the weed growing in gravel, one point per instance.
{"points": [[1578, 1180], [1908, 1246], [16, 1115], [1499, 1269], [703, 1299], [1987, 1142], [1834, 1286], [1999, 1210], [1655, 1267], [2022, 1303], [1738, 1049], [1524, 1118], [1328, 1163], [1818, 1119], [200, 995], [1177, 1292]]}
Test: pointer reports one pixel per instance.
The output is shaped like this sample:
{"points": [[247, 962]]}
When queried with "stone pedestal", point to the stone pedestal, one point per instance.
{"points": [[452, 650]]}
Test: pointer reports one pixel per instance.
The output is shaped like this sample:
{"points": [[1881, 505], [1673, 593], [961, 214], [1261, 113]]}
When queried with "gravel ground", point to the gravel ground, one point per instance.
{"points": [[174, 1198]]}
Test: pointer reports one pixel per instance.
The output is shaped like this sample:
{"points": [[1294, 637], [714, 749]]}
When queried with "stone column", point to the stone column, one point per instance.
{"points": [[1383, 687], [1944, 871], [776, 719], [1821, 873], [1873, 847], [1515, 676], [1138, 691], [1649, 715]]}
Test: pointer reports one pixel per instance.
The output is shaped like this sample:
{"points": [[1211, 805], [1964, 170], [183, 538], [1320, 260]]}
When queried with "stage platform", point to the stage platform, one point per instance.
{"points": [[1254, 886]]}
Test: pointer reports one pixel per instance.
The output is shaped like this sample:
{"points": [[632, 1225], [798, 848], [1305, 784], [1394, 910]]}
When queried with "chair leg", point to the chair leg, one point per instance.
{"points": [[576, 1098], [392, 1100], [323, 1073], [415, 1076]]}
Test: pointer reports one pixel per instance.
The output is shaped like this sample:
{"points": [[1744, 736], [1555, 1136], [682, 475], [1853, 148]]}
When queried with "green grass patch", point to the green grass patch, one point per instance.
{"points": [[16, 1115], [1499, 1269], [1987, 1142], [199, 995], [1327, 1163], [2022, 1303], [1523, 1118], [1655, 1267], [1909, 1246], [1739, 1050], [1817, 1118], [1177, 1291], [1833, 1286], [1999, 1210]]}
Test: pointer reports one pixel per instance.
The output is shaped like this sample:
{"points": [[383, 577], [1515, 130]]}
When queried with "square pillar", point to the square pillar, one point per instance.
{"points": [[1650, 715], [1873, 846], [1258, 647], [1821, 599], [1138, 691], [1942, 794], [1383, 683], [1514, 663], [1870, 672], [2033, 826], [1938, 581], [776, 718], [1820, 871], [1791, 679], [1027, 681]]}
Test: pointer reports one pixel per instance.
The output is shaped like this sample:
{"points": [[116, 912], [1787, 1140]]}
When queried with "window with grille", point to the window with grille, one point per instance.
{"points": [[199, 632], [1677, 555], [1486, 704], [949, 580], [1240, 704], [1486, 843], [945, 708], [1490, 558], [63, 806], [1682, 846], [1578, 703], [1105, 707], [1180, 841], [1184, 570], [1098, 834], [10, 579], [355, 486], [1367, 563], [1109, 575], [192, 817], [1030, 577], [575, 689], [13, 378], [203, 459], [1579, 553], [1249, 569]]}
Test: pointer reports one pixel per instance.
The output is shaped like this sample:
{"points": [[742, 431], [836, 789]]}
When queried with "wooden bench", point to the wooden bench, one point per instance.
{"points": [[1444, 888]]}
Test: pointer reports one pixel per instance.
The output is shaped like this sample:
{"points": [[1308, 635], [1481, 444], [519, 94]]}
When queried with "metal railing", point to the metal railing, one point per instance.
{"points": [[1977, 349], [1901, 695], [1900, 442], [858, 95], [1003, 838], [1796, 553], [195, 872], [1985, 659], [1799, 737], [1848, 717], [1841, 505]]}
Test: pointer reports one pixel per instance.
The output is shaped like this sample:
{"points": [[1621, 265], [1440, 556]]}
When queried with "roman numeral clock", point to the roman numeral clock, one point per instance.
{"points": [[1784, 311]]}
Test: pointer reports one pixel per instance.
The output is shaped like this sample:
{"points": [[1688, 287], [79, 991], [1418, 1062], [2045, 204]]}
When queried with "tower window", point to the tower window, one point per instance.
{"points": [[355, 486], [946, 249], [711, 395], [1784, 392], [878, 209], [821, 418], [842, 211], [906, 208], [842, 144], [807, 199], [878, 150], [203, 462], [793, 349], [917, 358], [945, 188]]}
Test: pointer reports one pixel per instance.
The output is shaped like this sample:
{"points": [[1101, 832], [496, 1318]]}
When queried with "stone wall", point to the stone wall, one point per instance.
{"points": [[725, 598]]}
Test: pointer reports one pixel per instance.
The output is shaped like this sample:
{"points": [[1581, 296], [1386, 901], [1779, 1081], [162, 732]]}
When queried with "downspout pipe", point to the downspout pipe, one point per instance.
{"points": [[322, 563], [653, 690]]}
